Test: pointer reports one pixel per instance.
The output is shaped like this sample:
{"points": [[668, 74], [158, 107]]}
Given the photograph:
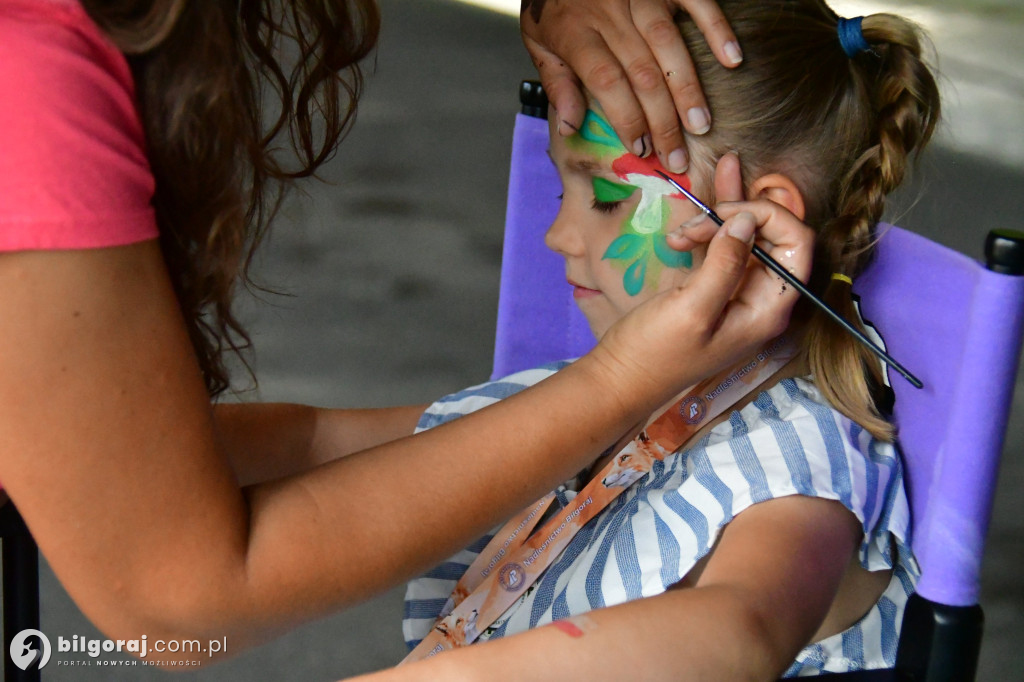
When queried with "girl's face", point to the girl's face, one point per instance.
{"points": [[612, 224]]}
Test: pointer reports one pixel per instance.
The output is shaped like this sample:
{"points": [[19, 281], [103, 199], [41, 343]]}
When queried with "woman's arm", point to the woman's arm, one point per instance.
{"points": [[761, 597], [267, 441], [630, 56], [110, 449]]}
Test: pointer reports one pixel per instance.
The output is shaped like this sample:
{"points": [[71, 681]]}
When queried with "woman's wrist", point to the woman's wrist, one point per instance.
{"points": [[635, 392]]}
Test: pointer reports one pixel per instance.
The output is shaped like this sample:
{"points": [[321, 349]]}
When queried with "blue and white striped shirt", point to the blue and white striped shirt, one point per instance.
{"points": [[788, 441]]}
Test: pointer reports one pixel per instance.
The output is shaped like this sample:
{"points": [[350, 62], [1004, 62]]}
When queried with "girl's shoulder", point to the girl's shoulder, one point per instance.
{"points": [[794, 414], [790, 441]]}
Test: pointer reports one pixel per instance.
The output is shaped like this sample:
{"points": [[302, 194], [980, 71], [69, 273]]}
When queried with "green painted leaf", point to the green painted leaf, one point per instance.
{"points": [[625, 247], [633, 280], [669, 256]]}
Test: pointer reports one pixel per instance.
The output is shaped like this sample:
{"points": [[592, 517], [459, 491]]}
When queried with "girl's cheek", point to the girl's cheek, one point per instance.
{"points": [[672, 278]]}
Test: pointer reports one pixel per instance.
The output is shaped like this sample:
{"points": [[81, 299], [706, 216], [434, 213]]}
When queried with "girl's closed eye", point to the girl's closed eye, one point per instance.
{"points": [[605, 206], [608, 195]]}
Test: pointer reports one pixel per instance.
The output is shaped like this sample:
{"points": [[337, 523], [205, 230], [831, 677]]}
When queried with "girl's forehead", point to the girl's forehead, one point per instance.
{"points": [[578, 156], [594, 147], [595, 138]]}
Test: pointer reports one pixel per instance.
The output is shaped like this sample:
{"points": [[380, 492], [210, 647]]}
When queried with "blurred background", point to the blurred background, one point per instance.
{"points": [[390, 272]]}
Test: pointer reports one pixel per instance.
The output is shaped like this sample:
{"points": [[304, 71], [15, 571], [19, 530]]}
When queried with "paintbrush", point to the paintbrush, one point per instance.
{"points": [[785, 274]]}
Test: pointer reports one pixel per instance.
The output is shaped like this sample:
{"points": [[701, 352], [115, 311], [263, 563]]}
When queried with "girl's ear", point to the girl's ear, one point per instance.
{"points": [[780, 189]]}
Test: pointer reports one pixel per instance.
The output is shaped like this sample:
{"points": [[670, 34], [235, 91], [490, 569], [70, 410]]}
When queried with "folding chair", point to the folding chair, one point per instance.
{"points": [[21, 587], [954, 322]]}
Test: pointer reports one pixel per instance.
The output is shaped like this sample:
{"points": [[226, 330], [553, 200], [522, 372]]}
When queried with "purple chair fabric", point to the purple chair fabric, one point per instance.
{"points": [[538, 322], [951, 322], [957, 327]]}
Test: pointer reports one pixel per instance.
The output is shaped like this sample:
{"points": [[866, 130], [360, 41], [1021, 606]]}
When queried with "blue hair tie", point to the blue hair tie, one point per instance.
{"points": [[851, 38]]}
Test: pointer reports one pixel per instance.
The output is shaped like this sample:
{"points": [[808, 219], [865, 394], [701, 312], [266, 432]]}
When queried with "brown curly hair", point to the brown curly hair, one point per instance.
{"points": [[223, 158], [843, 129]]}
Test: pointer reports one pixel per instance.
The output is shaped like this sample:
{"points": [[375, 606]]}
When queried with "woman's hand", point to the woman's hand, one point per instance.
{"points": [[630, 56], [727, 308], [781, 232]]}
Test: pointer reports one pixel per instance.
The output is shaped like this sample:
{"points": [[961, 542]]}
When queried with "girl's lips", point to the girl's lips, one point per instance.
{"points": [[579, 291]]}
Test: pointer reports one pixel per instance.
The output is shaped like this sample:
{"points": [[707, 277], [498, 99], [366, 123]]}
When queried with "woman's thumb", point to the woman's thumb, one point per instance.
{"points": [[740, 227], [726, 261]]}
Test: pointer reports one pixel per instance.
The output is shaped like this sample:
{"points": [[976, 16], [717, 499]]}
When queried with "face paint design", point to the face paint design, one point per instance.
{"points": [[643, 232], [608, 192]]}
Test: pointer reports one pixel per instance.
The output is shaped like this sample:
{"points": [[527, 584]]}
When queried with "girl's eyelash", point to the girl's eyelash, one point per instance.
{"points": [[605, 206], [600, 206]]}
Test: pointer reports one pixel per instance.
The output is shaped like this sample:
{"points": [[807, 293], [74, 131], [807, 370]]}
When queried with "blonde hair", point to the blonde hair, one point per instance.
{"points": [[843, 129]]}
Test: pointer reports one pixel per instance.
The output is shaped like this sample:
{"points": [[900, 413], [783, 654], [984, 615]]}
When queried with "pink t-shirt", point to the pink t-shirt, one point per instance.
{"points": [[73, 167]]}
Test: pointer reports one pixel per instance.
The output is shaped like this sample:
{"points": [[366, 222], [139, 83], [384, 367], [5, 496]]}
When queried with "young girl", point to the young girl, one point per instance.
{"points": [[763, 529]]}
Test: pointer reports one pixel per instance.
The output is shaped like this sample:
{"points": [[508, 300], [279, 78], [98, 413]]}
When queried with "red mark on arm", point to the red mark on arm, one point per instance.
{"points": [[569, 628]]}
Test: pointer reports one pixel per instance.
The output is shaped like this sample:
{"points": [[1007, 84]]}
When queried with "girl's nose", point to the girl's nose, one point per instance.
{"points": [[563, 237]]}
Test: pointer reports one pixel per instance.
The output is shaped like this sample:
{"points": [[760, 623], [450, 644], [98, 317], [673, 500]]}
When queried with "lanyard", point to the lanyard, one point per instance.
{"points": [[514, 559]]}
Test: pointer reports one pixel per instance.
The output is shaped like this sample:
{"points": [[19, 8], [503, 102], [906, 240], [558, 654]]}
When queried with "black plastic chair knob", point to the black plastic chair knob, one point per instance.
{"points": [[533, 99], [1004, 252]]}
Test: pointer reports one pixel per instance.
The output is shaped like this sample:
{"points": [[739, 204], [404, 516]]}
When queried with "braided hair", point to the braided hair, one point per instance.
{"points": [[844, 129]]}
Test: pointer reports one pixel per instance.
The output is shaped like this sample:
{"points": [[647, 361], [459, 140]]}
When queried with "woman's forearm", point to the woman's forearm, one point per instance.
{"points": [[410, 503], [267, 441], [313, 543]]}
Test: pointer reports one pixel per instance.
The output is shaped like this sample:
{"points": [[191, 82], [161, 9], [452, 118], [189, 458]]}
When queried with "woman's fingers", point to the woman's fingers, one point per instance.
{"points": [[781, 231], [780, 234], [715, 27], [761, 305], [783, 237], [712, 284], [577, 33], [686, 102], [560, 85], [729, 178], [627, 81], [631, 58], [700, 229], [691, 234]]}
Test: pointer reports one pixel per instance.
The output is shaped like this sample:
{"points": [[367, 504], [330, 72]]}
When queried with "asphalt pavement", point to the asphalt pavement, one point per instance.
{"points": [[388, 273]]}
